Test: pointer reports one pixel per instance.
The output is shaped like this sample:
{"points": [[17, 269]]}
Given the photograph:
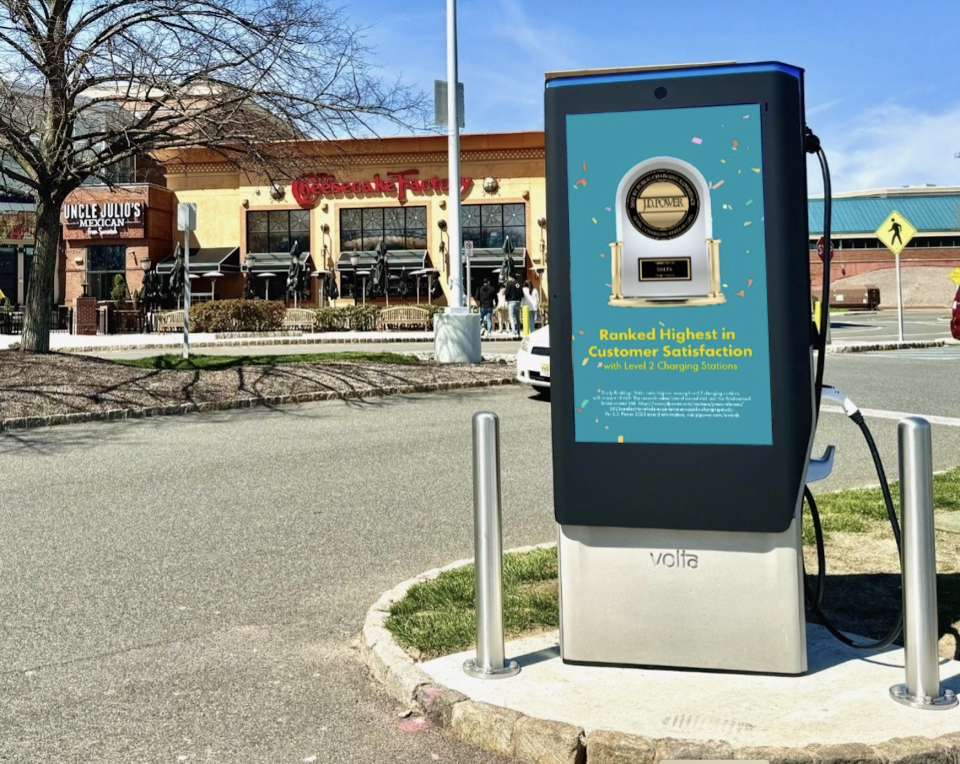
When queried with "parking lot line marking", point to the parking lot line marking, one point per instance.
{"points": [[881, 414]]}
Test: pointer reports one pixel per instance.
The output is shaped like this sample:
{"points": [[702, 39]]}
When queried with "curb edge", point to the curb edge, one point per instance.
{"points": [[532, 740]]}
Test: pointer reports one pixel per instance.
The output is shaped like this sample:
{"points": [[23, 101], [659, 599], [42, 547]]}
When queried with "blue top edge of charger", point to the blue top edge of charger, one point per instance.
{"points": [[564, 79]]}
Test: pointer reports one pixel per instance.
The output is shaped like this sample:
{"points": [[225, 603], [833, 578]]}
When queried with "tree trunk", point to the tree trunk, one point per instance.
{"points": [[39, 305]]}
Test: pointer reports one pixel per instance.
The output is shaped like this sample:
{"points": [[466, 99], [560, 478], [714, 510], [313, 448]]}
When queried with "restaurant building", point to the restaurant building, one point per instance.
{"points": [[855, 217], [17, 223], [344, 203]]}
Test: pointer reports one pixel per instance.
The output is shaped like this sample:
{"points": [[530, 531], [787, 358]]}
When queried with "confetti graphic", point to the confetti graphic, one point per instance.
{"points": [[698, 141], [755, 169], [582, 180], [619, 438], [749, 282], [585, 402], [585, 361], [718, 184], [594, 220], [747, 223], [741, 294]]}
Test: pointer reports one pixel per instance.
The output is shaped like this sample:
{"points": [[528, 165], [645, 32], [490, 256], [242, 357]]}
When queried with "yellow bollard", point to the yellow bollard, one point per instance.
{"points": [[525, 320]]}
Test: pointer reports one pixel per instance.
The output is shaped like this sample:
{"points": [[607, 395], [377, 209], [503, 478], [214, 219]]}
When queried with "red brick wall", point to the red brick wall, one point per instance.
{"points": [[850, 262]]}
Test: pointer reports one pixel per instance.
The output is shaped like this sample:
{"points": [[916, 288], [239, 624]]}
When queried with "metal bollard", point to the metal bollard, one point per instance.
{"points": [[922, 687], [489, 663]]}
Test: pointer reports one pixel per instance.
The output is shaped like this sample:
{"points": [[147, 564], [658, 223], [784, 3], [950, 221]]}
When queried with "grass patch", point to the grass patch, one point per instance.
{"points": [[856, 509], [216, 362], [439, 617]]}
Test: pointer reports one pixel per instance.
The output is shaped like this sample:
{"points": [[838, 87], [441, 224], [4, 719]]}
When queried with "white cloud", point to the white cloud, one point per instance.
{"points": [[890, 146]]}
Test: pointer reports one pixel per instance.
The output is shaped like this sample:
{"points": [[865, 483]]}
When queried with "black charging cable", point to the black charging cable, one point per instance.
{"points": [[815, 599]]}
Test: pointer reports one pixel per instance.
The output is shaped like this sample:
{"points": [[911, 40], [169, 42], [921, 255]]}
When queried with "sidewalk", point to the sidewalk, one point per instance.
{"points": [[839, 712]]}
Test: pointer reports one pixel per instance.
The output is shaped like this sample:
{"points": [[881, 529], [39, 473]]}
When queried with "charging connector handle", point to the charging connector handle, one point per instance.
{"points": [[837, 396]]}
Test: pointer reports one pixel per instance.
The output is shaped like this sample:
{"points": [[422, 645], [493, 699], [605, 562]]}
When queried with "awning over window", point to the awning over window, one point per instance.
{"points": [[492, 257], [397, 259], [8, 207], [272, 262], [207, 260]]}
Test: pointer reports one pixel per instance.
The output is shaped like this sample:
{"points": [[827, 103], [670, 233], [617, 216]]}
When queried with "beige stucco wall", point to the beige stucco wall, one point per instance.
{"points": [[515, 160]]}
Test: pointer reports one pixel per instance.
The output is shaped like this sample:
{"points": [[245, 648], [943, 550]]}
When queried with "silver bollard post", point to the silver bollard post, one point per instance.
{"points": [[921, 665], [489, 663]]}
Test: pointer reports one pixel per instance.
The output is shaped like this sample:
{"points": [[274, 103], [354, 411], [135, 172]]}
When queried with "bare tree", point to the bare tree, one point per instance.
{"points": [[88, 85]]}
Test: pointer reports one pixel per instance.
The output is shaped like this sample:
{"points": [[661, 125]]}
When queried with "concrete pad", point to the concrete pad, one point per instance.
{"points": [[947, 521], [457, 337], [844, 697]]}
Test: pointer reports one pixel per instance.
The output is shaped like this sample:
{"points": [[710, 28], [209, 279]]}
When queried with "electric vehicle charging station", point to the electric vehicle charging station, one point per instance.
{"points": [[682, 389]]}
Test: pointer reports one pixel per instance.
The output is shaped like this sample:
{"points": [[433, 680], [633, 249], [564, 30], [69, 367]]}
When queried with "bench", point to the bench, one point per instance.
{"points": [[300, 318], [171, 321], [403, 317]]}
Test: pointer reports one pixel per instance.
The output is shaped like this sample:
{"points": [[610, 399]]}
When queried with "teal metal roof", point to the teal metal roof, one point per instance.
{"points": [[858, 215]]}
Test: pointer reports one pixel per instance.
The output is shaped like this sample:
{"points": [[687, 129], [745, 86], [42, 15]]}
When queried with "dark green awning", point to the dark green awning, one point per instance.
{"points": [[207, 260], [397, 259]]}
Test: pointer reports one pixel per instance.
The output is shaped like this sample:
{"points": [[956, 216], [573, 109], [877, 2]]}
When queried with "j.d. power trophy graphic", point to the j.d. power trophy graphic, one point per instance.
{"points": [[665, 253]]}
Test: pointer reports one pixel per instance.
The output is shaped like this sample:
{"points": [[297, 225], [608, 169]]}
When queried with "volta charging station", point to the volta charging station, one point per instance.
{"points": [[682, 386]]}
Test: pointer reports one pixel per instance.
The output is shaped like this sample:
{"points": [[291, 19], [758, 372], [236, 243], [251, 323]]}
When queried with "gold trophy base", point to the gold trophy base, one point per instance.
{"points": [[643, 302]]}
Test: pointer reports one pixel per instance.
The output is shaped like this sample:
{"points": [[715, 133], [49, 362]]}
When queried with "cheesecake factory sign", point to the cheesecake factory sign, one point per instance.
{"points": [[308, 188], [103, 219]]}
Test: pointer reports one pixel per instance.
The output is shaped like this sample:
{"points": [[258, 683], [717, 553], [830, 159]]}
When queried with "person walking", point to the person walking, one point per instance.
{"points": [[486, 298], [531, 299], [514, 295]]}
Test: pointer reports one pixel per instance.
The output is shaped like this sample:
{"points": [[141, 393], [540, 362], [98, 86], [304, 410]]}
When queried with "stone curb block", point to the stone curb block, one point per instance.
{"points": [[32, 422], [234, 341], [776, 755], [677, 748], [543, 741], [539, 741], [485, 726], [609, 747]]}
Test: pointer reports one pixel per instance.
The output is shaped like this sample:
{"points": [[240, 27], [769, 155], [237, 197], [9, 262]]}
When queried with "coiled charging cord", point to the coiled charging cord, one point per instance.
{"points": [[815, 599]]}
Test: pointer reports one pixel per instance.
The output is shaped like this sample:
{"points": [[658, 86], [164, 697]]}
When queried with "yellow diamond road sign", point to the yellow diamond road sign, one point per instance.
{"points": [[895, 232], [955, 276]]}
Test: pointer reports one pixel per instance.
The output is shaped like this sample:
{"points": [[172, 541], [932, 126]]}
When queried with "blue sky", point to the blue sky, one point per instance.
{"points": [[882, 79]]}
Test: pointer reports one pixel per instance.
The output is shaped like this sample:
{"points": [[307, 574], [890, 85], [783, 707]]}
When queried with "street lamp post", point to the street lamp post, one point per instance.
{"points": [[146, 264], [453, 159]]}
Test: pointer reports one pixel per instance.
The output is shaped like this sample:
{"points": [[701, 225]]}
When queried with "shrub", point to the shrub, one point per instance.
{"points": [[352, 317], [119, 292], [237, 316], [432, 310]]}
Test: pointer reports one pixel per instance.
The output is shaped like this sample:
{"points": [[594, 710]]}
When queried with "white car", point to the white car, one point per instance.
{"points": [[533, 360]]}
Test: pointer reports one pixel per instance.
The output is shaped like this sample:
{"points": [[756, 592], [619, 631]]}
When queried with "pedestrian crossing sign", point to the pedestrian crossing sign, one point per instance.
{"points": [[895, 232]]}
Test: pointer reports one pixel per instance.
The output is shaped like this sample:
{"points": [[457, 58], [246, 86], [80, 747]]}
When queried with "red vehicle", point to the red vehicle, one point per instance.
{"points": [[955, 317]]}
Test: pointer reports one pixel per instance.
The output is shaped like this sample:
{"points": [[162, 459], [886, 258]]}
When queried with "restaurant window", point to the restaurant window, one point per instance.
{"points": [[488, 225], [403, 230], [104, 263], [399, 227], [277, 230]]}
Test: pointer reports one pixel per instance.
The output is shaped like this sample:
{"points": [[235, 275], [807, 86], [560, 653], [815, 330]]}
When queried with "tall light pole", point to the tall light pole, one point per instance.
{"points": [[453, 151], [456, 333]]}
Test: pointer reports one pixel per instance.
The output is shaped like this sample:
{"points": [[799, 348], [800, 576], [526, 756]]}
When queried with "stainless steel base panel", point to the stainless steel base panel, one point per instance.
{"points": [[683, 599]]}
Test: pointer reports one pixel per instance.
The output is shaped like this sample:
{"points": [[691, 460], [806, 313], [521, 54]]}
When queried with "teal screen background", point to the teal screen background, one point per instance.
{"points": [[657, 405]]}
